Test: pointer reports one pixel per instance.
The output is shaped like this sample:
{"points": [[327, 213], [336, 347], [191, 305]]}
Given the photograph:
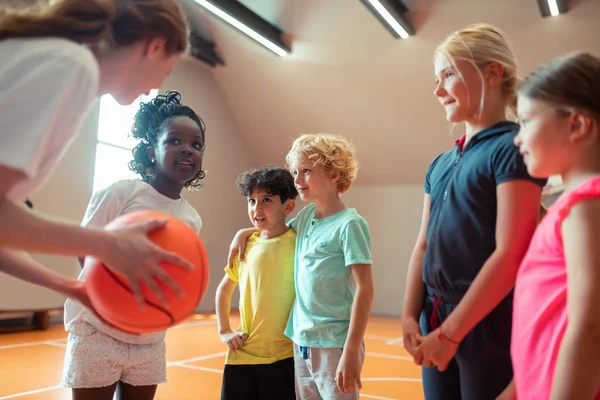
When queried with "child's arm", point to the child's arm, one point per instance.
{"points": [[518, 206], [234, 340], [577, 373], [238, 244], [356, 243], [415, 288], [348, 372]]}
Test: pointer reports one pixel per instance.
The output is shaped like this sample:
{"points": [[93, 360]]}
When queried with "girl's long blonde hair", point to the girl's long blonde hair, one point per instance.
{"points": [[480, 45]]}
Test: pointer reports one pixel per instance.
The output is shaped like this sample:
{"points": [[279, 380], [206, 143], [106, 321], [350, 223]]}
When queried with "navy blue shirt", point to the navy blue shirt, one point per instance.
{"points": [[461, 234]]}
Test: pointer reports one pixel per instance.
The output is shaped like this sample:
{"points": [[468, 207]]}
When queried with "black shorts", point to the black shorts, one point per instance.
{"points": [[259, 382]]}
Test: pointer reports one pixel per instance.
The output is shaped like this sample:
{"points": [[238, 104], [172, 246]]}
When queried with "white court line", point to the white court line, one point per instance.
{"points": [[189, 360], [375, 337], [391, 356], [27, 344], [370, 396], [394, 341], [56, 344], [14, 396], [217, 371], [390, 379]]}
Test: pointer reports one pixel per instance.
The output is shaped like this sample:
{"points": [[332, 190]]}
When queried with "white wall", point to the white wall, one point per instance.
{"points": [[394, 216]]}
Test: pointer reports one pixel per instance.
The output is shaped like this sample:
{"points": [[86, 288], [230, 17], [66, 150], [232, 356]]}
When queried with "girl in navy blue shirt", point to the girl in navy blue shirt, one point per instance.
{"points": [[480, 211]]}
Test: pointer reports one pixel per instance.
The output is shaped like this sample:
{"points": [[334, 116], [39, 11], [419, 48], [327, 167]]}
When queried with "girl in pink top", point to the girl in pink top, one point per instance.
{"points": [[556, 320]]}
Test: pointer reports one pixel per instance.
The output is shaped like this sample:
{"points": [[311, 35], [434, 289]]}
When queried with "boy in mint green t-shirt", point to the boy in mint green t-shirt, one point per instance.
{"points": [[333, 281]]}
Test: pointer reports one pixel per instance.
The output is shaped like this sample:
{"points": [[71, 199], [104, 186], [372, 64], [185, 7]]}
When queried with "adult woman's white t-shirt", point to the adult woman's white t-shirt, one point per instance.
{"points": [[47, 87]]}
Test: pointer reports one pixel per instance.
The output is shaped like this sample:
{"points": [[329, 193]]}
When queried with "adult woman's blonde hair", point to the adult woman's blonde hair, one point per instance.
{"points": [[332, 152], [112, 23], [480, 45]]}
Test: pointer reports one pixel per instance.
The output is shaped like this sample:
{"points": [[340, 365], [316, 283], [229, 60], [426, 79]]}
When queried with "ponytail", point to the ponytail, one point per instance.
{"points": [[82, 21], [101, 22]]}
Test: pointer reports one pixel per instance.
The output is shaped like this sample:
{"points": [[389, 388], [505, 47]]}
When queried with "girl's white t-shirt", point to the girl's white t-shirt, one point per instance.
{"points": [[124, 197], [47, 87]]}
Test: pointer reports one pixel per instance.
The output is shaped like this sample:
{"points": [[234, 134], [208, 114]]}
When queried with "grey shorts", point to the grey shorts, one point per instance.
{"points": [[315, 374]]}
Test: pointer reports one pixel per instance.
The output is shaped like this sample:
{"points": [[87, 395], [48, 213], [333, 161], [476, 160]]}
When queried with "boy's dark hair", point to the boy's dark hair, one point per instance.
{"points": [[274, 180], [150, 119]]}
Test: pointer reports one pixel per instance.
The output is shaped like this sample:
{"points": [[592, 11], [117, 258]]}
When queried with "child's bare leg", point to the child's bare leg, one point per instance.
{"points": [[103, 393], [130, 392]]}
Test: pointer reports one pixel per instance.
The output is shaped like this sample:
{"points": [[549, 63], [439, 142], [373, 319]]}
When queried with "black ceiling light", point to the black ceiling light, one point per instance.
{"points": [[204, 50], [243, 19], [390, 12], [552, 7]]}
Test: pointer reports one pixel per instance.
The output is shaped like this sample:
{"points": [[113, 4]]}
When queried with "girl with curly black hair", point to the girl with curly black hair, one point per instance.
{"points": [[159, 125], [168, 158]]}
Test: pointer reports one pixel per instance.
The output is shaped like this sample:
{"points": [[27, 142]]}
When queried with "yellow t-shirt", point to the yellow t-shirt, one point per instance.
{"points": [[266, 284]]}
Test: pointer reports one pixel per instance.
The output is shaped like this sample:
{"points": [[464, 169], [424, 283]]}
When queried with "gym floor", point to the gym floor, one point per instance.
{"points": [[31, 363]]}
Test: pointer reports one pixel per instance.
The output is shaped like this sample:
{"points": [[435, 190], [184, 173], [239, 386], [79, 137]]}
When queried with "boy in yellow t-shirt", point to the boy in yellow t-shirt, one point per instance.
{"points": [[260, 359]]}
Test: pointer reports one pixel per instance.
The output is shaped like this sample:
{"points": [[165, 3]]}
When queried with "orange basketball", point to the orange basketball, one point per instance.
{"points": [[111, 296]]}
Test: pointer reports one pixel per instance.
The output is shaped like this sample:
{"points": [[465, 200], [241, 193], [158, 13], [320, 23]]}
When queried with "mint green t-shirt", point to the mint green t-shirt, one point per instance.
{"points": [[325, 248]]}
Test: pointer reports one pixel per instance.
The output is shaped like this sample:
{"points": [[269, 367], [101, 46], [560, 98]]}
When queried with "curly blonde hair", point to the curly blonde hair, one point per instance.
{"points": [[332, 152]]}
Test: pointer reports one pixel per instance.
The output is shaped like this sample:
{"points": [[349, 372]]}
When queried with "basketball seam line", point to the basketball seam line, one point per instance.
{"points": [[149, 302]]}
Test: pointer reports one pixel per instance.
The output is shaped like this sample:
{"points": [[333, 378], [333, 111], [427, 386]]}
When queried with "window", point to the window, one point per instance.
{"points": [[113, 151]]}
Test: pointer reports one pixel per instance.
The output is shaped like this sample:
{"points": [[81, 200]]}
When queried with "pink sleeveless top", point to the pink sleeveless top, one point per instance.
{"points": [[540, 300]]}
